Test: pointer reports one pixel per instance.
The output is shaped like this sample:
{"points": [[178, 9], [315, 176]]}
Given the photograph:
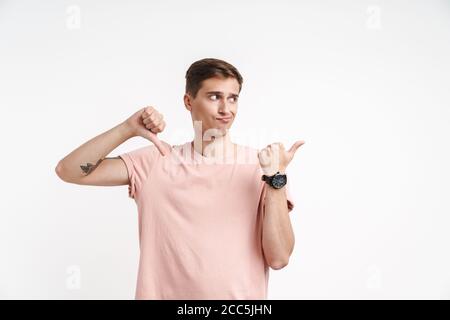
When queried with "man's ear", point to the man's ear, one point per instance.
{"points": [[187, 101]]}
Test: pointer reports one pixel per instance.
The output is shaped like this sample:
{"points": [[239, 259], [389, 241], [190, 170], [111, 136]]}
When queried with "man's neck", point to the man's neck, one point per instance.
{"points": [[207, 148]]}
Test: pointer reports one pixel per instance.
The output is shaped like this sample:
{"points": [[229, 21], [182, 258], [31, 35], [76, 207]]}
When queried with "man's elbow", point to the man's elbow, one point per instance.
{"points": [[60, 172], [279, 264]]}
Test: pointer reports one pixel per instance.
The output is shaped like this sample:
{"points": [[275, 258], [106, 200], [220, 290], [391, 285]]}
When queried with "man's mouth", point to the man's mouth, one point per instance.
{"points": [[224, 119]]}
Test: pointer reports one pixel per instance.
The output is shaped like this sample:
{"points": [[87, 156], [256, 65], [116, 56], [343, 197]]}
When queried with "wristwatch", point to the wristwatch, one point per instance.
{"points": [[276, 181]]}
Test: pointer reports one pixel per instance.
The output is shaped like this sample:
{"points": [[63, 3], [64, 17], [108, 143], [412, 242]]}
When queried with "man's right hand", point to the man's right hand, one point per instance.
{"points": [[147, 123]]}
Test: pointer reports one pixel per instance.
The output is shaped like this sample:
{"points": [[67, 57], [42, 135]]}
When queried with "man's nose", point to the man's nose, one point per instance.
{"points": [[224, 107]]}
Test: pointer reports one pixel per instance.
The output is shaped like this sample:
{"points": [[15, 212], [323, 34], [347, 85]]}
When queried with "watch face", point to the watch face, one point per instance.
{"points": [[279, 181]]}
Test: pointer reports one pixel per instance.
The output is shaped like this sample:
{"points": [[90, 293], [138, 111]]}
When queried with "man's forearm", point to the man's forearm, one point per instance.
{"points": [[277, 234], [86, 157]]}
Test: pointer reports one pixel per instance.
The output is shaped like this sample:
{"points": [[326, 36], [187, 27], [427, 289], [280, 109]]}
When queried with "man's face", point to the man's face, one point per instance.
{"points": [[215, 104]]}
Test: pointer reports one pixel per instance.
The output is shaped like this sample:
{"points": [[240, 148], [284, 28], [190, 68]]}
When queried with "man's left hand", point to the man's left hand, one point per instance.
{"points": [[274, 158]]}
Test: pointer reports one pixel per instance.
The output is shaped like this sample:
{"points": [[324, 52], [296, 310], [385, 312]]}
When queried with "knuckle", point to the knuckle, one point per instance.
{"points": [[148, 110], [153, 125]]}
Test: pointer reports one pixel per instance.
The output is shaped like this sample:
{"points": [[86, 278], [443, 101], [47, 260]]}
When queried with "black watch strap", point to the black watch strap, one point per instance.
{"points": [[268, 178]]}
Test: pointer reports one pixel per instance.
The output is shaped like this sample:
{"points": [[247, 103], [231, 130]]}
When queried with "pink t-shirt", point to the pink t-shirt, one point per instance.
{"points": [[199, 223]]}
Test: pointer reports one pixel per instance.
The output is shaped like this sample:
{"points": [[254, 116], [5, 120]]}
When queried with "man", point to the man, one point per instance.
{"points": [[213, 215]]}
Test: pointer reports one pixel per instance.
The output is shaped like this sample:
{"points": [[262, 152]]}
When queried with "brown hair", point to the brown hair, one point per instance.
{"points": [[208, 68]]}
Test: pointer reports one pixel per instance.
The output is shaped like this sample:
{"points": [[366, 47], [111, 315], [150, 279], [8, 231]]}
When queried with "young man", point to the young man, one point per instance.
{"points": [[213, 215]]}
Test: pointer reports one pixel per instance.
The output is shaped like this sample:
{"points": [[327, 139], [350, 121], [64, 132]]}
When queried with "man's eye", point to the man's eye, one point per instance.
{"points": [[214, 96]]}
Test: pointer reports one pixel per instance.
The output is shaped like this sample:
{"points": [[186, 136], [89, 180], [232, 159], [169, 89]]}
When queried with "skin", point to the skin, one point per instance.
{"points": [[217, 97]]}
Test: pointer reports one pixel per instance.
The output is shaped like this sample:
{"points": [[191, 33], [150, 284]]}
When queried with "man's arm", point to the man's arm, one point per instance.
{"points": [[88, 164], [278, 236], [78, 166]]}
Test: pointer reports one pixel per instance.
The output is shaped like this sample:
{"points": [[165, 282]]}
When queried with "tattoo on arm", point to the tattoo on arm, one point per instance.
{"points": [[89, 167]]}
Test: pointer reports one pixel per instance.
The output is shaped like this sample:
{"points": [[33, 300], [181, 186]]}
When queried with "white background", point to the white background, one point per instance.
{"points": [[364, 83]]}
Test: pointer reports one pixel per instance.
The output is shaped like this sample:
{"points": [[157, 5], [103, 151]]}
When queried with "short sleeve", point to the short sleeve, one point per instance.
{"points": [[139, 163]]}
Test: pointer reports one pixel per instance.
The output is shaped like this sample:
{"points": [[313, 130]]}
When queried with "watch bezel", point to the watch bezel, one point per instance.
{"points": [[278, 181], [271, 180]]}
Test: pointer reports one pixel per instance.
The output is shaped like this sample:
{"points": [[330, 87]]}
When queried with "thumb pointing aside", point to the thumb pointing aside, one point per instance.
{"points": [[294, 147], [162, 146]]}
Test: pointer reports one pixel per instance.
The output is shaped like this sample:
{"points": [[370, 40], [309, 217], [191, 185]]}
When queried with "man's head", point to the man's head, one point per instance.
{"points": [[212, 92]]}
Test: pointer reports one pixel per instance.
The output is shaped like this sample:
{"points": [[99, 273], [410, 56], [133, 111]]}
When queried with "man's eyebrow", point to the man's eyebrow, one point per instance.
{"points": [[220, 93]]}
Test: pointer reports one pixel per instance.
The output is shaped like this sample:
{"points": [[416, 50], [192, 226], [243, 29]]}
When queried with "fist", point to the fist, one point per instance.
{"points": [[147, 123], [146, 120], [153, 120], [274, 157]]}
